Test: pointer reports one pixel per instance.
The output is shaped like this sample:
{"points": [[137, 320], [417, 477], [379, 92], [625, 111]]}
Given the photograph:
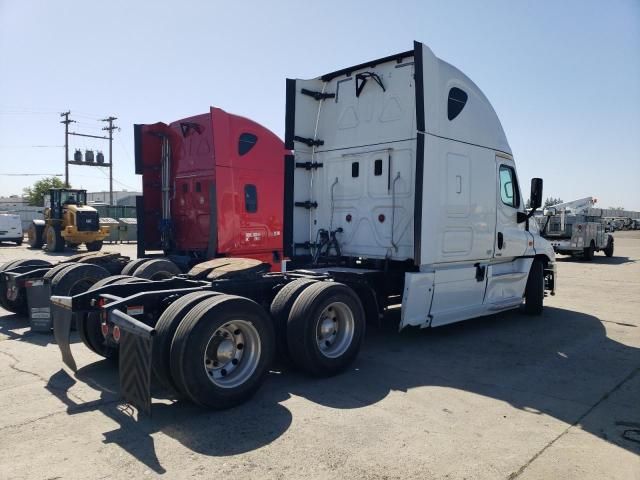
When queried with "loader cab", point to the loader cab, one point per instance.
{"points": [[61, 198]]}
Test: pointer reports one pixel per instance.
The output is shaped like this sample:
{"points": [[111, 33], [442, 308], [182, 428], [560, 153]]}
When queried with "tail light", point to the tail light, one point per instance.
{"points": [[116, 333]]}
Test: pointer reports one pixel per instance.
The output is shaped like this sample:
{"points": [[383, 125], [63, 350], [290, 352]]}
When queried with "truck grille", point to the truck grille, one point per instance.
{"points": [[87, 221]]}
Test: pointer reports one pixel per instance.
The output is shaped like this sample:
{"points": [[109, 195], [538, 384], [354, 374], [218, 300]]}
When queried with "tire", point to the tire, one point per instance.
{"points": [[33, 262], [35, 235], [90, 330], [130, 267], [53, 239], [534, 291], [77, 279], [608, 250], [335, 306], [589, 252], [165, 330], [280, 308], [250, 338], [57, 269], [19, 242], [94, 246], [157, 269], [19, 305]]}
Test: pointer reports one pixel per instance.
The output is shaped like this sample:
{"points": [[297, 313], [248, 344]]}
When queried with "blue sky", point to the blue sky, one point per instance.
{"points": [[564, 77]]}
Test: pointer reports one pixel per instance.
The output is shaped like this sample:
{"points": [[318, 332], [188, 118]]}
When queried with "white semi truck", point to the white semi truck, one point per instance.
{"points": [[576, 228], [402, 188]]}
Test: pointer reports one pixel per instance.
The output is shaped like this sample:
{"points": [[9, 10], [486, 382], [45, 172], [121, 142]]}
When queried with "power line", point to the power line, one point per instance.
{"points": [[31, 146], [32, 174]]}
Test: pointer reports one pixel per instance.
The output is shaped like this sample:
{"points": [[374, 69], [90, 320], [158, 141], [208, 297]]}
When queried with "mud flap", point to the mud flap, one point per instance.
{"points": [[136, 344], [62, 318], [38, 295], [135, 371]]}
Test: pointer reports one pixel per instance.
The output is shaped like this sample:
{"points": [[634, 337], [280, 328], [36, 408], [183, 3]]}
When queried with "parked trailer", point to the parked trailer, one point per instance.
{"points": [[573, 229], [401, 187]]}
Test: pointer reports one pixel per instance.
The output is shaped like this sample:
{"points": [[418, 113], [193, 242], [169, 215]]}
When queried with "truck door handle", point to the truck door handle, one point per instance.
{"points": [[500, 240]]}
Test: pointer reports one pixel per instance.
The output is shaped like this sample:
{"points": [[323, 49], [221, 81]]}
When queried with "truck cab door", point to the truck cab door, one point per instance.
{"points": [[511, 237], [509, 269]]}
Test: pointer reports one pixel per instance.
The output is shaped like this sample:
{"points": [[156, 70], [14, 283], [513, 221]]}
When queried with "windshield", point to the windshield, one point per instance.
{"points": [[73, 198]]}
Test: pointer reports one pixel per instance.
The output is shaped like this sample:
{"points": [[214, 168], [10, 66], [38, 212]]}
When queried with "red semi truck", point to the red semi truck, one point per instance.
{"points": [[212, 187]]}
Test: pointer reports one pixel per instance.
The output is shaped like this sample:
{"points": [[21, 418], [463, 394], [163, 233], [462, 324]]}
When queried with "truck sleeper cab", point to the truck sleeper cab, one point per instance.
{"points": [[401, 188], [211, 188], [404, 161]]}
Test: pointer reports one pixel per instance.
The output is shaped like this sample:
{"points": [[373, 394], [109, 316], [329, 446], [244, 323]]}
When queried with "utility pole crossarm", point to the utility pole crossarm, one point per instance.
{"points": [[110, 128]]}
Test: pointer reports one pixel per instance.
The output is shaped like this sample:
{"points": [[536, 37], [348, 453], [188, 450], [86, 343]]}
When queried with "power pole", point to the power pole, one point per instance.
{"points": [[110, 129], [66, 122]]}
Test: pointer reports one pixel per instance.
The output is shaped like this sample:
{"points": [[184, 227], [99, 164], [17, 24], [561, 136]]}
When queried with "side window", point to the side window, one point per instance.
{"points": [[246, 142], [250, 198], [457, 101], [377, 168], [509, 187]]}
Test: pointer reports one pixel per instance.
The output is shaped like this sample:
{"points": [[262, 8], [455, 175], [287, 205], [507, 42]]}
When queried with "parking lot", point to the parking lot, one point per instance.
{"points": [[507, 396]]}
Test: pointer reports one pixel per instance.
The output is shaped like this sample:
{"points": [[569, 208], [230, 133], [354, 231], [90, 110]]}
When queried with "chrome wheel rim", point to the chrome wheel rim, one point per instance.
{"points": [[232, 354], [334, 330]]}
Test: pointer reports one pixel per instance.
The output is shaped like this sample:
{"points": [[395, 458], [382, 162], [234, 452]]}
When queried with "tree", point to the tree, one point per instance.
{"points": [[35, 193], [552, 201]]}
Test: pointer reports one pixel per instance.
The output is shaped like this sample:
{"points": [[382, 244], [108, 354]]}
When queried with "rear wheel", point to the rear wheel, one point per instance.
{"points": [[280, 308], [165, 330], [94, 246], [157, 269], [77, 279], [534, 291], [19, 303], [57, 269], [19, 241], [53, 238], [608, 251], [130, 267], [35, 235], [90, 330], [325, 328], [222, 350], [589, 252]]}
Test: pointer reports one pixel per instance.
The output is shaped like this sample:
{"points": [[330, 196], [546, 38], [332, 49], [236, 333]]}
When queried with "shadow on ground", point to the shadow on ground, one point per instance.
{"points": [[597, 259], [13, 326], [561, 364]]}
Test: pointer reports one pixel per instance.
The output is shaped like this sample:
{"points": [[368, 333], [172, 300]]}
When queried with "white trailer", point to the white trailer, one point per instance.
{"points": [[402, 188]]}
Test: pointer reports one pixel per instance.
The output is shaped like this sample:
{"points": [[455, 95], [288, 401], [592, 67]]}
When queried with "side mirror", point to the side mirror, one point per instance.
{"points": [[536, 193], [521, 217]]}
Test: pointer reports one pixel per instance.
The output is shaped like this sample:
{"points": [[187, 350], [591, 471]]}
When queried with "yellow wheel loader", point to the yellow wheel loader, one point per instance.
{"points": [[68, 220]]}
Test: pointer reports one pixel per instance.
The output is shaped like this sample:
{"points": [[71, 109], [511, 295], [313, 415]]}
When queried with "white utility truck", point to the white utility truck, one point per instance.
{"points": [[576, 228], [11, 228], [402, 189]]}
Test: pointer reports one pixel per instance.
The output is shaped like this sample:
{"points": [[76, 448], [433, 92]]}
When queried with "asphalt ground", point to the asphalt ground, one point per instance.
{"points": [[501, 397]]}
